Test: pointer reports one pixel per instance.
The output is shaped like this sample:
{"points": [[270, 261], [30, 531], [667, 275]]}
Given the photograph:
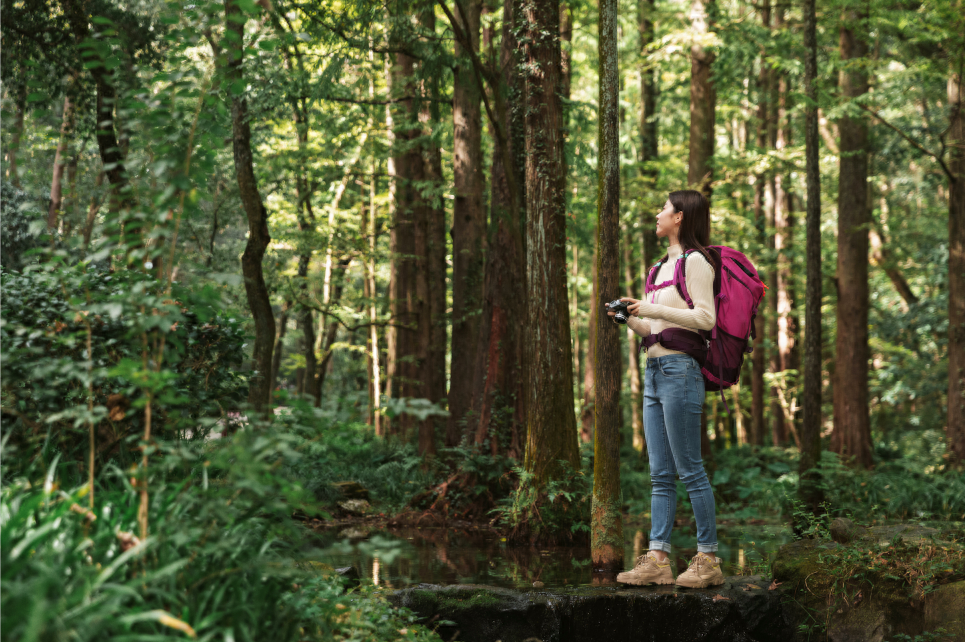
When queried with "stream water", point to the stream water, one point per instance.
{"points": [[398, 558]]}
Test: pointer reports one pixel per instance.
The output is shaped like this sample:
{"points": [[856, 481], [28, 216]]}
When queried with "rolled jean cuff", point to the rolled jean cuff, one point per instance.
{"points": [[704, 548], [663, 546]]}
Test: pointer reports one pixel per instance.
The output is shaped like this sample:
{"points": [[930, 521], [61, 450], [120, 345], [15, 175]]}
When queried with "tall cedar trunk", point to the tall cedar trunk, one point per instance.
{"points": [[306, 225], [405, 166], [259, 392], [809, 488], [551, 426], [281, 326], [852, 431], [784, 233], [60, 160], [20, 99], [703, 98], [778, 427], [498, 394], [374, 358], [606, 528], [956, 264], [431, 262], [588, 407], [648, 127], [468, 226], [761, 202], [636, 378]]}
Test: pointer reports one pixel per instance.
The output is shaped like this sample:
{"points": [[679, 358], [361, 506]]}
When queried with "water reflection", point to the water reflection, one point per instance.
{"points": [[397, 558]]}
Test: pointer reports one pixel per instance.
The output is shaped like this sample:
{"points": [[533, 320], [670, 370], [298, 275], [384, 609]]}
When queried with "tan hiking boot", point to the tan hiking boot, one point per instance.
{"points": [[648, 571], [704, 571]]}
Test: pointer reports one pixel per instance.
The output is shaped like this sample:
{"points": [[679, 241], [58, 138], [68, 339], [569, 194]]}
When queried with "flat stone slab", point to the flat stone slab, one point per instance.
{"points": [[743, 609]]}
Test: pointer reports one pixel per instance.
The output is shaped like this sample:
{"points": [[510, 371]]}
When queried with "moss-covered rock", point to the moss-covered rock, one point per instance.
{"points": [[945, 609]]}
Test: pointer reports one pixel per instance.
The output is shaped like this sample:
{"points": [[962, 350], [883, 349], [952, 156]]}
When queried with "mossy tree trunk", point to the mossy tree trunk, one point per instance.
{"points": [[956, 263], [809, 487], [606, 528], [550, 422], [703, 98], [852, 429]]}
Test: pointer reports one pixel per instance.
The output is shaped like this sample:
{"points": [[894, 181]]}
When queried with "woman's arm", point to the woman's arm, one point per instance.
{"points": [[700, 286], [640, 326]]}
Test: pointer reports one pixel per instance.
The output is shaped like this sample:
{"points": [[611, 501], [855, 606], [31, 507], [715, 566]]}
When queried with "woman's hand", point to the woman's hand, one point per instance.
{"points": [[631, 308]]}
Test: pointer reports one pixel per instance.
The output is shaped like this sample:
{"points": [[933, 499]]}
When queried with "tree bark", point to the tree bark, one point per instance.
{"points": [[374, 361], [551, 427], [405, 166], [20, 100], [259, 302], [636, 376], [498, 394], [331, 328], [956, 263], [809, 487], [606, 528], [851, 436], [763, 202], [703, 98], [60, 161], [588, 407], [282, 326], [778, 426], [468, 226]]}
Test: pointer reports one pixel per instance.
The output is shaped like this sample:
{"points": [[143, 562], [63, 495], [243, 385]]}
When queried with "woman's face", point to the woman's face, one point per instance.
{"points": [[668, 220]]}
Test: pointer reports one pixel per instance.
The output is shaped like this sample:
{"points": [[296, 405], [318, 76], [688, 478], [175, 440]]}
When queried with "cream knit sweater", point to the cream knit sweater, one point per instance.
{"points": [[666, 308]]}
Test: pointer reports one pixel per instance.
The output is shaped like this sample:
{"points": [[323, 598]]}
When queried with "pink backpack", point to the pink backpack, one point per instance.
{"points": [[737, 294]]}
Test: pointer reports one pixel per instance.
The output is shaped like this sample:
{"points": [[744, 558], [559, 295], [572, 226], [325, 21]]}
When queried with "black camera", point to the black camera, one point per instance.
{"points": [[620, 307]]}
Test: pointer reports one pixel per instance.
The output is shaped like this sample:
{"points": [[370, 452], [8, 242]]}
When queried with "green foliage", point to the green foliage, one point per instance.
{"points": [[48, 313], [20, 218], [221, 561], [555, 512]]}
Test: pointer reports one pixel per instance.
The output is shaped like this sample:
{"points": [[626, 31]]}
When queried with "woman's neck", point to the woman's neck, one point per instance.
{"points": [[674, 251]]}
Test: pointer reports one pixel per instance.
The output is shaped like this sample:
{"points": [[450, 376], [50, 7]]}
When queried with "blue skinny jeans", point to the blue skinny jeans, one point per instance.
{"points": [[672, 402]]}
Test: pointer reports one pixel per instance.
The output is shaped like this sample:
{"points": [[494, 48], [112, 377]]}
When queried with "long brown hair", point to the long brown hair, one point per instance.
{"points": [[695, 226]]}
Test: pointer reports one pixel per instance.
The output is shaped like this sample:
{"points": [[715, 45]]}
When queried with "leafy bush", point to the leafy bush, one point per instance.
{"points": [[552, 513], [20, 216], [221, 560], [48, 312]]}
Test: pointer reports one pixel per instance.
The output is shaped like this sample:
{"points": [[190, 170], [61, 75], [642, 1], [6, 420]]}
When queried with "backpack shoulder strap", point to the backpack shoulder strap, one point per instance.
{"points": [[652, 275], [680, 279]]}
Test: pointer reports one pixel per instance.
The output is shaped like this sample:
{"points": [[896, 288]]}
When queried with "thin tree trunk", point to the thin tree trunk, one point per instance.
{"points": [[882, 258], [703, 98], [809, 487], [851, 436], [588, 407], [636, 378], [259, 302], [92, 210], [21, 106], [468, 226], [498, 394], [956, 263], [56, 183], [331, 328], [551, 427], [574, 315], [374, 361], [282, 326], [606, 528], [648, 128]]}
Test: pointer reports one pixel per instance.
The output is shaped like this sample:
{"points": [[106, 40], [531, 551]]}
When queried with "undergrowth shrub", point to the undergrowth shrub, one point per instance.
{"points": [[557, 512], [221, 560]]}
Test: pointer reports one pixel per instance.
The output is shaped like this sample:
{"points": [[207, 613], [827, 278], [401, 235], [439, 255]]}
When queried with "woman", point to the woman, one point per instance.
{"points": [[674, 396]]}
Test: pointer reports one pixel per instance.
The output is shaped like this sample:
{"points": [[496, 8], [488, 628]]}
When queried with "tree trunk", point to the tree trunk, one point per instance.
{"points": [[784, 223], [809, 487], [259, 302], [282, 326], [551, 427], [636, 376], [648, 130], [956, 264], [21, 106], [60, 161], [431, 262], [703, 98], [498, 394], [374, 360], [331, 328], [852, 432], [606, 528], [405, 166], [468, 226], [588, 407]]}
